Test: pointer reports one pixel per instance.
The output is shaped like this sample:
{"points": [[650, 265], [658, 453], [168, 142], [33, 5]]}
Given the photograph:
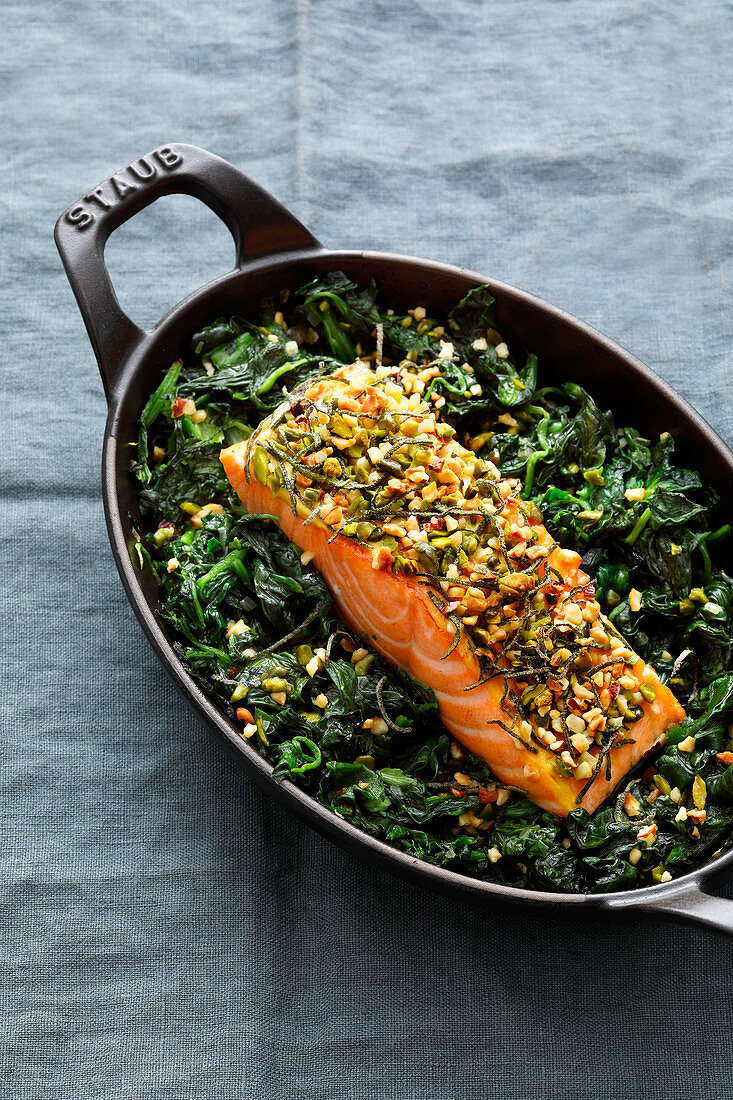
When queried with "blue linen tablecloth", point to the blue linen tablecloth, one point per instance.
{"points": [[165, 930]]}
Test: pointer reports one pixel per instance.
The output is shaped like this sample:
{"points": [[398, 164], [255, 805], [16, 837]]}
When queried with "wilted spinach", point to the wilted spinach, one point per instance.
{"points": [[249, 619]]}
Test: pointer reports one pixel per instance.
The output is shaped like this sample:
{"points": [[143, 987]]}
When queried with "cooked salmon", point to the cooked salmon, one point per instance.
{"points": [[436, 562]]}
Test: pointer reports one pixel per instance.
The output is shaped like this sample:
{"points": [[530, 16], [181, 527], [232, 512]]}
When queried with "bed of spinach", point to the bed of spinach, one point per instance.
{"points": [[582, 471]]}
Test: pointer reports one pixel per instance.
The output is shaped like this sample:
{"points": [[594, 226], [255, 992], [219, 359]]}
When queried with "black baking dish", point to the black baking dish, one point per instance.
{"points": [[274, 251]]}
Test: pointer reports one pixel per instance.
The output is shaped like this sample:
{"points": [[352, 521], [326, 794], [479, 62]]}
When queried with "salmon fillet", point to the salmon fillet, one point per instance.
{"points": [[456, 580]]}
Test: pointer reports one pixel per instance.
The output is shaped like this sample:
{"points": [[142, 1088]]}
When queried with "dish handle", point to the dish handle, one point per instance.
{"points": [[258, 223], [687, 899]]}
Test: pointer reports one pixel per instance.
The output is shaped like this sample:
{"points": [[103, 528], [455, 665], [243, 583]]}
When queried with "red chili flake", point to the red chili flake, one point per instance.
{"points": [[485, 795], [614, 689], [589, 591], [177, 407], [436, 465], [435, 524], [301, 421]]}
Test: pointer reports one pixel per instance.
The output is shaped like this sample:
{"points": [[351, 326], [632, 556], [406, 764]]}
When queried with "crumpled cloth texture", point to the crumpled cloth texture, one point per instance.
{"points": [[165, 930]]}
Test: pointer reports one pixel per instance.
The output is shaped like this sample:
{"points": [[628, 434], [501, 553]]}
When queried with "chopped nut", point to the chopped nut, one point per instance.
{"points": [[235, 627], [576, 725], [648, 834], [382, 559], [631, 805], [214, 509], [573, 614], [313, 666], [182, 407]]}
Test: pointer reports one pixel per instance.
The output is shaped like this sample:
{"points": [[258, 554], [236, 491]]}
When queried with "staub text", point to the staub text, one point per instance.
{"points": [[125, 182]]}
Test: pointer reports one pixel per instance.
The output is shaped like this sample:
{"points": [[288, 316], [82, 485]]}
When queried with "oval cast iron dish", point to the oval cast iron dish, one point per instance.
{"points": [[273, 251]]}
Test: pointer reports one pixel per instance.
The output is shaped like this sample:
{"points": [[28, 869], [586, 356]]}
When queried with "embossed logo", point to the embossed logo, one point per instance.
{"points": [[123, 183]]}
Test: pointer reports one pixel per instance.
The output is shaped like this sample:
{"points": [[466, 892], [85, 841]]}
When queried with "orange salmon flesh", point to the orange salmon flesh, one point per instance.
{"points": [[394, 613]]}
